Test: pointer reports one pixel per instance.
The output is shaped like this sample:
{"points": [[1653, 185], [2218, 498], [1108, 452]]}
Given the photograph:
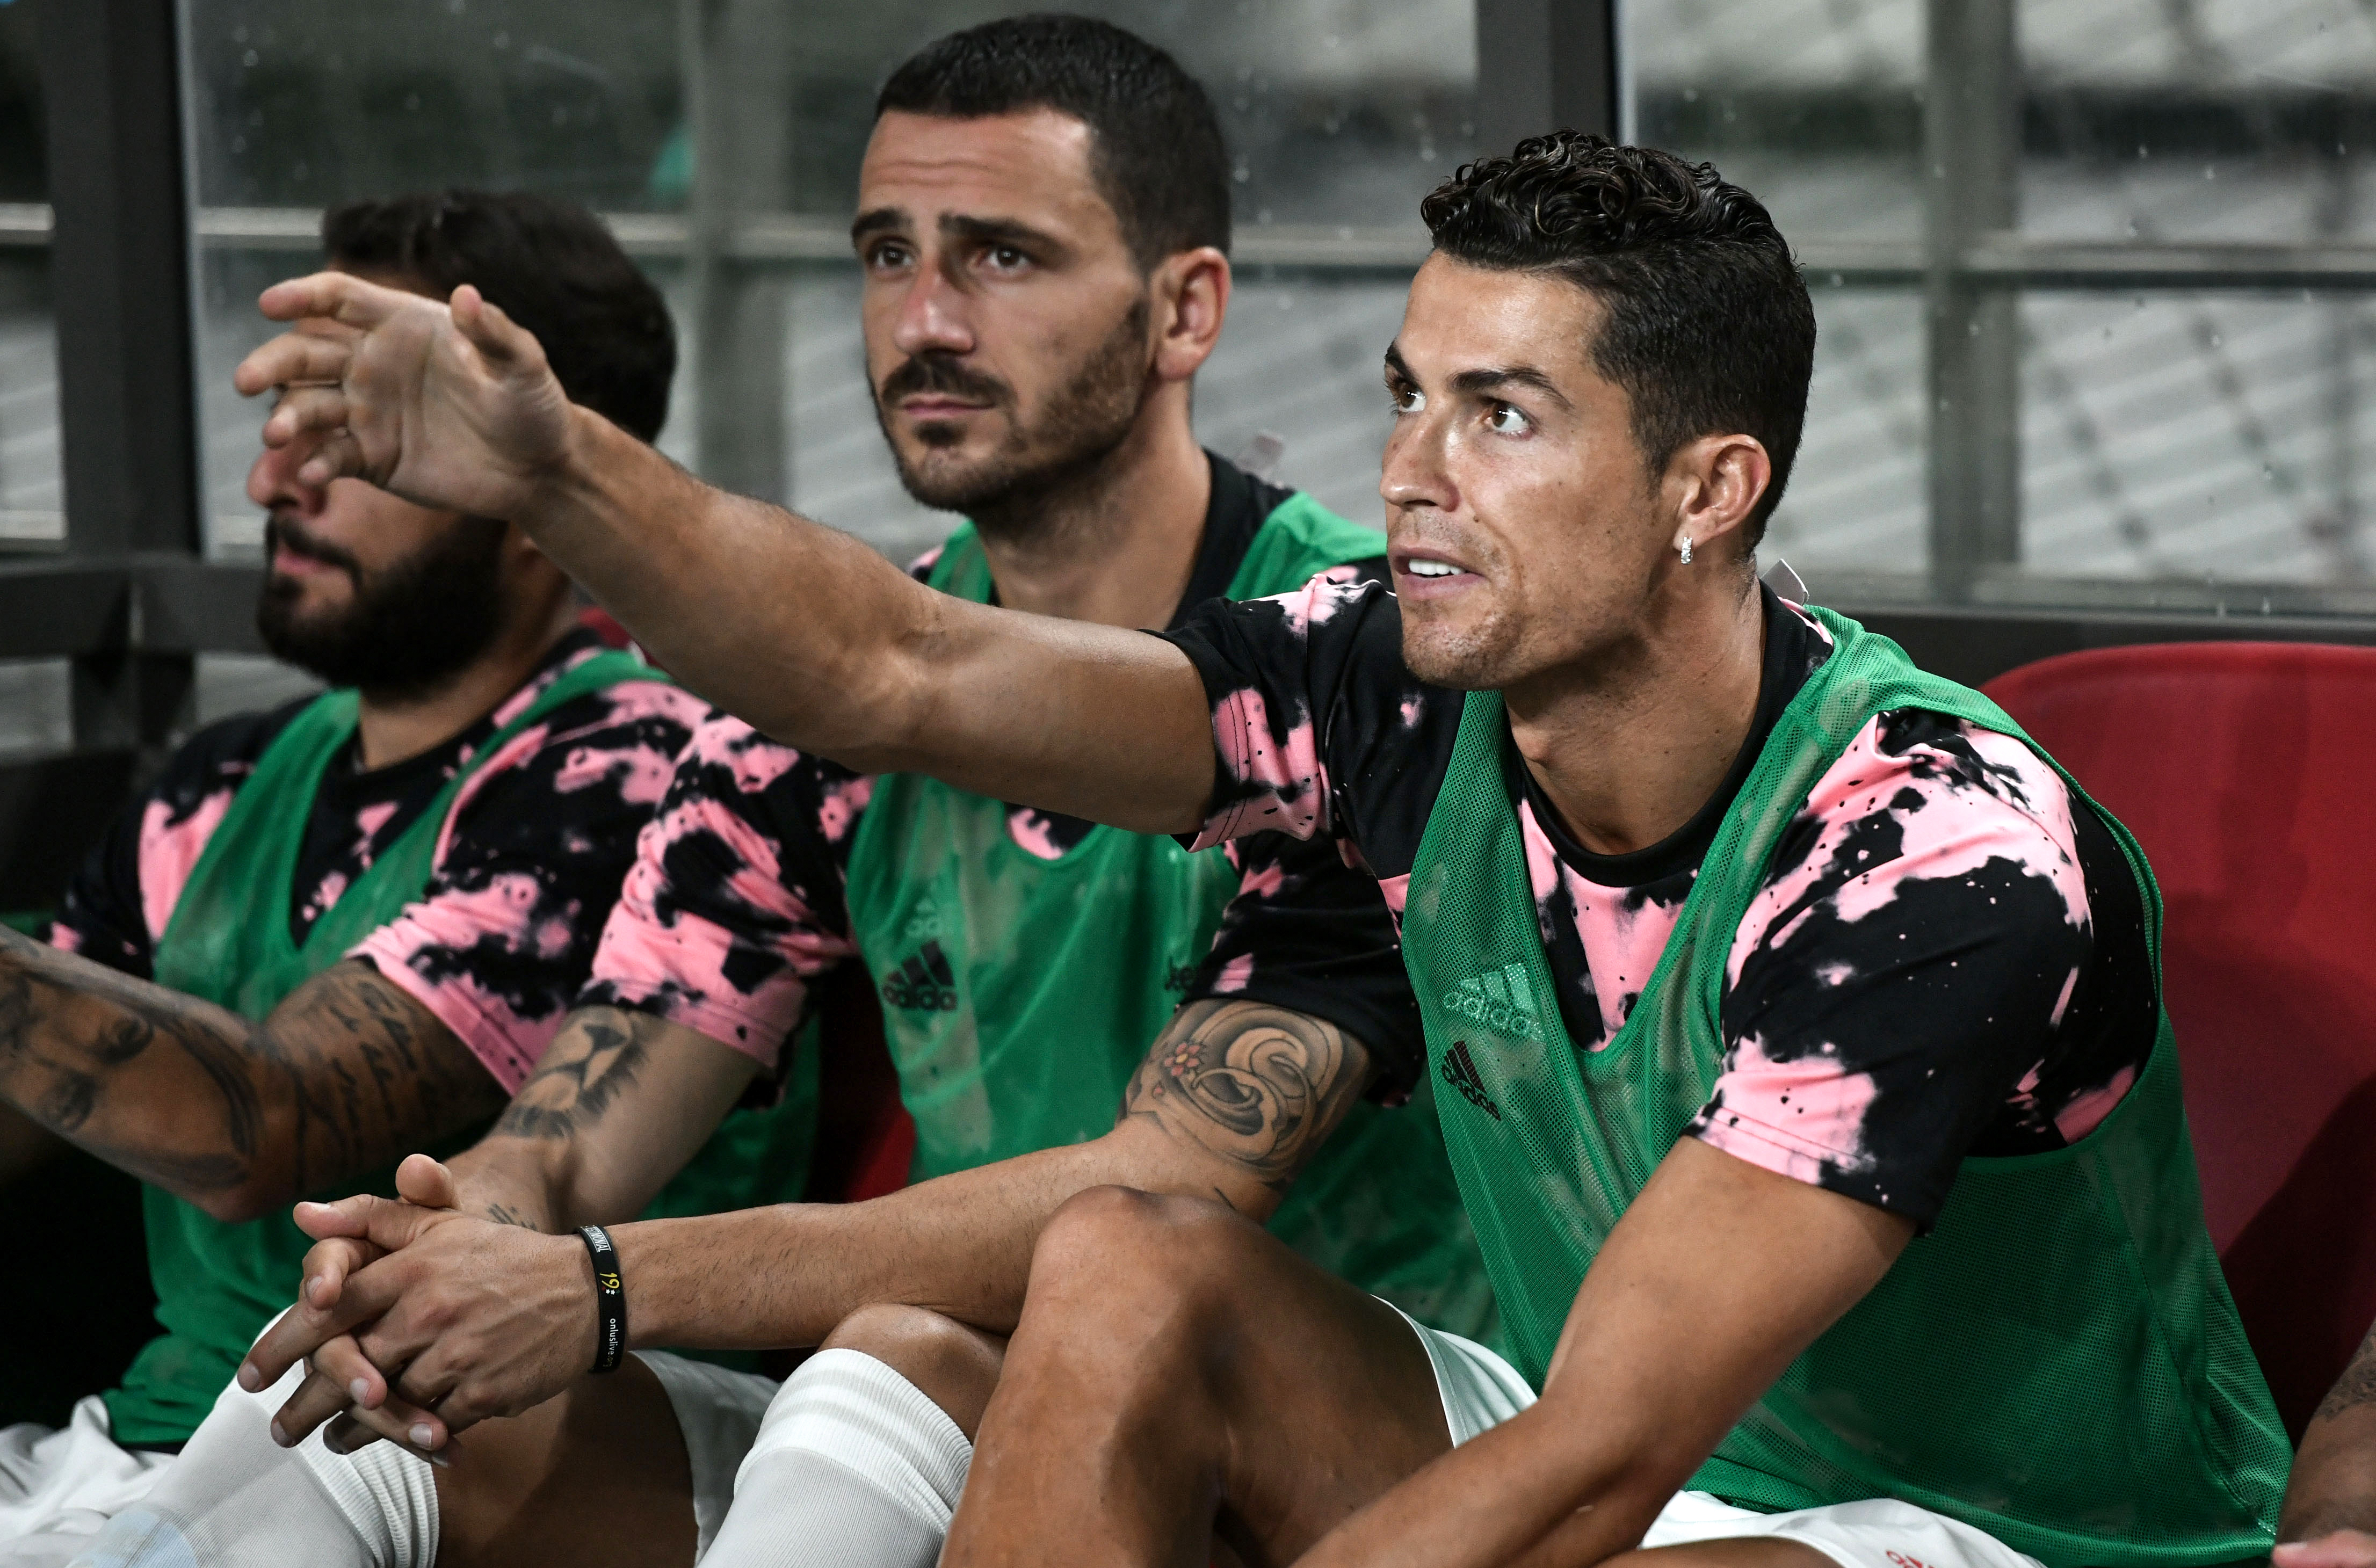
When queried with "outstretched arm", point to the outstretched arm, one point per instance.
{"points": [[805, 632], [344, 1074], [2330, 1513], [1232, 1100]]}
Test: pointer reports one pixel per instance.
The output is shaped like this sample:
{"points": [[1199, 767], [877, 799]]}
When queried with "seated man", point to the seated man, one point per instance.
{"points": [[331, 933], [1749, 949], [1043, 228], [2330, 1513]]}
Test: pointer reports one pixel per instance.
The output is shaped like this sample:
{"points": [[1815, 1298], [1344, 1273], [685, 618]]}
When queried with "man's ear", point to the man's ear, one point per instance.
{"points": [[1712, 486], [1191, 294]]}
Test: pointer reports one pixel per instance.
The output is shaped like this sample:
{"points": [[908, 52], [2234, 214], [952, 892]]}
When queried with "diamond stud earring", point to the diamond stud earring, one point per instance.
{"points": [[1686, 549]]}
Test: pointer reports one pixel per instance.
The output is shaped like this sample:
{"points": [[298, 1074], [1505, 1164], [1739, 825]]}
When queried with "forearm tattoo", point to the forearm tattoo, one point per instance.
{"points": [[2357, 1387], [347, 1074], [1260, 1087], [588, 1065]]}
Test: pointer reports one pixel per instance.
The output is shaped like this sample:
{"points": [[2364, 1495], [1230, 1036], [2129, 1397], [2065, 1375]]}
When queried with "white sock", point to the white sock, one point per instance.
{"points": [[235, 1498], [854, 1467]]}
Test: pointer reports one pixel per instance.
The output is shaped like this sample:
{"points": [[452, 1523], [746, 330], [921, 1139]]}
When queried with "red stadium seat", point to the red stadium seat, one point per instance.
{"points": [[605, 625], [2248, 771]]}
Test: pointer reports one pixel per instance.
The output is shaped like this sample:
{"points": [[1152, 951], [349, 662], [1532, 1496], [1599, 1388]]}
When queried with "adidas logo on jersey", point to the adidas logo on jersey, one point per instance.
{"points": [[924, 983], [1461, 1072], [1499, 999]]}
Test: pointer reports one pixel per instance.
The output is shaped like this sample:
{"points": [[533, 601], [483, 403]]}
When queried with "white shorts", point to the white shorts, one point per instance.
{"points": [[57, 1490], [58, 1487], [1480, 1390]]}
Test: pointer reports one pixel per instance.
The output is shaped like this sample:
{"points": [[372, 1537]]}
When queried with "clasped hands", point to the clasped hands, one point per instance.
{"points": [[419, 1319]]}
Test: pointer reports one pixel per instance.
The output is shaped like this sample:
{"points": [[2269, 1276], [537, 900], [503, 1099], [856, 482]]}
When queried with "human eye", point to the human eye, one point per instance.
{"points": [[1504, 418], [1408, 400], [1005, 259], [888, 256]]}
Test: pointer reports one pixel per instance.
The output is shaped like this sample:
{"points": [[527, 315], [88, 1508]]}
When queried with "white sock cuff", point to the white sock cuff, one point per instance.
{"points": [[851, 1408], [388, 1495]]}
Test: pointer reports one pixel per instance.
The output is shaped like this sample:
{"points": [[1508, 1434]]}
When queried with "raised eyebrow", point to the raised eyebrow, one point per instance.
{"points": [[1496, 377]]}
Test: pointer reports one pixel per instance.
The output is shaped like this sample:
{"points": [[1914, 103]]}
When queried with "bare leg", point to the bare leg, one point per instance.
{"points": [[1178, 1370], [598, 1474], [954, 1363]]}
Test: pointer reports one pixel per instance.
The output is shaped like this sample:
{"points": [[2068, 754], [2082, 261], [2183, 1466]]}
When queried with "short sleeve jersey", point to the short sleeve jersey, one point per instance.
{"points": [[1945, 958], [526, 866], [734, 907]]}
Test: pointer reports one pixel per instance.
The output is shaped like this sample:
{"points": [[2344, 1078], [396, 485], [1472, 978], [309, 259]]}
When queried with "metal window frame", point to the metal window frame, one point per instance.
{"points": [[130, 599]]}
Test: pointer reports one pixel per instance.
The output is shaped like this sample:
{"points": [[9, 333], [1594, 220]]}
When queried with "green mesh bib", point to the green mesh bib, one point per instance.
{"points": [[1020, 993], [218, 1283], [2058, 1363]]}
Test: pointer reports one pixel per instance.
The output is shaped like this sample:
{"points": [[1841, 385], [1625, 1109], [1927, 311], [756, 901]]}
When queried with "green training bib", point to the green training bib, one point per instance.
{"points": [[218, 1283], [2058, 1363], [1020, 992]]}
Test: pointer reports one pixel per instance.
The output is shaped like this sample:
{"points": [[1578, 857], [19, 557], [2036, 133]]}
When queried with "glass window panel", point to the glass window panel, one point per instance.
{"points": [[1340, 114], [32, 500], [2197, 449], [2221, 120], [1851, 523], [1814, 104], [298, 106]]}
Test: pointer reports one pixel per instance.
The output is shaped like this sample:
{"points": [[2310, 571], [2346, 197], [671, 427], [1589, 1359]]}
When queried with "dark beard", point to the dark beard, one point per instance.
{"points": [[1008, 492], [409, 628]]}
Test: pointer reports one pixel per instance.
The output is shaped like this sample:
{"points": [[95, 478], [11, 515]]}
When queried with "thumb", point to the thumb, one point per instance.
{"points": [[426, 1183], [502, 342]]}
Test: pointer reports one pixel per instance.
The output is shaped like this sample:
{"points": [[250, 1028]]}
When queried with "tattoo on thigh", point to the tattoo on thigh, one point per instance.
{"points": [[1257, 1084], [591, 1064]]}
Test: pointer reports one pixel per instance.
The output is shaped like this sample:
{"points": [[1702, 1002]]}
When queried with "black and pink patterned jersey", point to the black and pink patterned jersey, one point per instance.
{"points": [[526, 867], [1946, 960], [734, 907]]}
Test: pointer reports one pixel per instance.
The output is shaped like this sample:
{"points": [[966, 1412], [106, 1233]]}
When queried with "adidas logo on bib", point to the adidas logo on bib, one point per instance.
{"points": [[1461, 1072], [924, 983], [1499, 999]]}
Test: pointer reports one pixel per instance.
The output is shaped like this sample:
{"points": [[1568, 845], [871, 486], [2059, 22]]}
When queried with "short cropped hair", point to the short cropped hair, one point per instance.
{"points": [[1155, 144], [1705, 322], [549, 265]]}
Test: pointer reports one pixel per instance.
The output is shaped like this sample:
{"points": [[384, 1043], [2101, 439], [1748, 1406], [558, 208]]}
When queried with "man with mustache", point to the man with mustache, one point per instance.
{"points": [[1042, 228], [1810, 1086], [332, 932]]}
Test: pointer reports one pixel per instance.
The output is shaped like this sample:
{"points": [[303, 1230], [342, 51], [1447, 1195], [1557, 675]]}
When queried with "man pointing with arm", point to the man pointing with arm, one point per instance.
{"points": [[1752, 951]]}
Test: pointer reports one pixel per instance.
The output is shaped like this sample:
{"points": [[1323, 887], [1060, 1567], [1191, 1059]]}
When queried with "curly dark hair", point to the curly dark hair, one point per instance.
{"points": [[1156, 148], [1705, 322]]}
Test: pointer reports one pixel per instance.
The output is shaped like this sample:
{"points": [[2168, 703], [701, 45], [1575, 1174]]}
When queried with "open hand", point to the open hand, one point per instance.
{"points": [[449, 405]]}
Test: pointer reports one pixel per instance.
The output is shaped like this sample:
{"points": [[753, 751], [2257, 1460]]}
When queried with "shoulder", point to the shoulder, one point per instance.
{"points": [[730, 768], [1926, 811]]}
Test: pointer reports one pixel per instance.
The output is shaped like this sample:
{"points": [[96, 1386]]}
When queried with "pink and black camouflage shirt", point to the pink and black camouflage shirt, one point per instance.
{"points": [[527, 863], [1946, 960]]}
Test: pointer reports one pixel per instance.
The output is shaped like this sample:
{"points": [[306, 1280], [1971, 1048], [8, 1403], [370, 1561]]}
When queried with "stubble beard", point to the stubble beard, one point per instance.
{"points": [[1013, 492]]}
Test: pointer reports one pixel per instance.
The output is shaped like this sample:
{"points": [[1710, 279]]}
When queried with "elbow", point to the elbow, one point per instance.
{"points": [[244, 1200]]}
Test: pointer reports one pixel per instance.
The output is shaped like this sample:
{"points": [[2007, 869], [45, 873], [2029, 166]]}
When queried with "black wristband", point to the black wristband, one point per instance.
{"points": [[610, 1300]]}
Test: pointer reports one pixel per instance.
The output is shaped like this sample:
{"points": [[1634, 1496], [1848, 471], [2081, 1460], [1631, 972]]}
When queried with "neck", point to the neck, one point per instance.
{"points": [[1116, 544], [392, 727], [1631, 742]]}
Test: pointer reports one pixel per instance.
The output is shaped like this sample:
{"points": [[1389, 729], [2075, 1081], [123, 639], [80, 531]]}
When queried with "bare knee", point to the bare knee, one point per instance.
{"points": [[954, 1364], [1123, 1242], [1145, 1280]]}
